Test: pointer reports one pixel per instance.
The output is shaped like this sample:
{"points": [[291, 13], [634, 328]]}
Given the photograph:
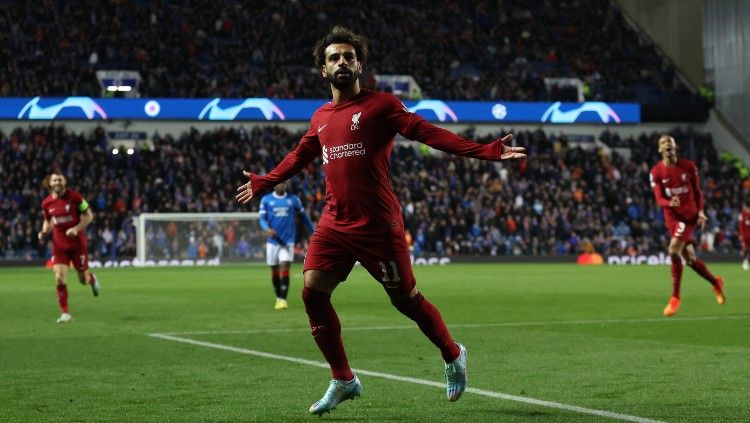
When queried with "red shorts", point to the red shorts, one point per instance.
{"points": [[681, 229], [384, 255], [77, 254], [745, 241]]}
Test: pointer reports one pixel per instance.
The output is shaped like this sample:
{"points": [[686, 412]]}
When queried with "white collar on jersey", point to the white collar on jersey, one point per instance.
{"points": [[277, 195]]}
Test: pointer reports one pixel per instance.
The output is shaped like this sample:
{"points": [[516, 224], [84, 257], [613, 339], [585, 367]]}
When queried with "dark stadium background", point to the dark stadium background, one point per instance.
{"points": [[584, 186]]}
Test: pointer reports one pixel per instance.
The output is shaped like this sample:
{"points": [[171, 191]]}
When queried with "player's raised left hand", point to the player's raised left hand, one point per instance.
{"points": [[510, 152], [245, 191]]}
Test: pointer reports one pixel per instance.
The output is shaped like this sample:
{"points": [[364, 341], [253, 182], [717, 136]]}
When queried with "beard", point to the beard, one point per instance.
{"points": [[343, 79]]}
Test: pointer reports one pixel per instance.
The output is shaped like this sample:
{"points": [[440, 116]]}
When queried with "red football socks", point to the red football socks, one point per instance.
{"points": [[431, 323], [326, 330], [700, 268], [62, 297], [676, 276]]}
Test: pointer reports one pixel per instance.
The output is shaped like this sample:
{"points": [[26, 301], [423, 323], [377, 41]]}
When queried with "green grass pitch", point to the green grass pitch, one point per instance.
{"points": [[569, 336]]}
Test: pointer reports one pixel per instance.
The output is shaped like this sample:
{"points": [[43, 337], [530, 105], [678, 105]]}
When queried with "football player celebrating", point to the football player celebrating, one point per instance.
{"points": [[361, 221], [676, 186]]}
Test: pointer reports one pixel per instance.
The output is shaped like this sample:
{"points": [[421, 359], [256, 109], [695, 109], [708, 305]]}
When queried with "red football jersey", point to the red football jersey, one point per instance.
{"points": [[744, 223], [355, 140], [64, 213], [680, 180]]}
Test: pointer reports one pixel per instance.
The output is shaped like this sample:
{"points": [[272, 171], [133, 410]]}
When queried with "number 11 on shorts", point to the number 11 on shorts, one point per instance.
{"points": [[395, 277]]}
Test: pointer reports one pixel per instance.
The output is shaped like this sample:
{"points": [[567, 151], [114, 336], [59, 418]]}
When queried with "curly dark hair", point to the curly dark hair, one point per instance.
{"points": [[340, 35]]}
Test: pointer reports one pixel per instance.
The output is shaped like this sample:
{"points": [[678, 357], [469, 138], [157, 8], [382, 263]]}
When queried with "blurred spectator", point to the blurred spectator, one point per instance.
{"points": [[572, 194], [469, 50]]}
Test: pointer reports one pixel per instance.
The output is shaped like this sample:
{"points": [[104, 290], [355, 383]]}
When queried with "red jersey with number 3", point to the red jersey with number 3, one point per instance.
{"points": [[679, 180], [64, 213], [744, 223]]}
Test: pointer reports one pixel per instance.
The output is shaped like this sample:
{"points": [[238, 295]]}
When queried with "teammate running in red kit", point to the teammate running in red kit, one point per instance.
{"points": [[67, 214], [677, 190]]}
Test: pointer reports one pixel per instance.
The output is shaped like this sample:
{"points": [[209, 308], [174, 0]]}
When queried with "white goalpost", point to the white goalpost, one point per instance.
{"points": [[198, 238]]}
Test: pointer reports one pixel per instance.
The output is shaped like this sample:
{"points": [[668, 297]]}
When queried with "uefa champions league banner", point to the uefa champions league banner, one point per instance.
{"points": [[260, 109]]}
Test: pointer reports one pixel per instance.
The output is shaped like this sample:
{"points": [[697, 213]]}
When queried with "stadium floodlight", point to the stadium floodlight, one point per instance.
{"points": [[116, 83], [123, 88], [185, 238]]}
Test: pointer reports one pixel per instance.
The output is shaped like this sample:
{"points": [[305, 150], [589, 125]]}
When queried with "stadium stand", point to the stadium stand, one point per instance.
{"points": [[573, 192], [471, 50]]}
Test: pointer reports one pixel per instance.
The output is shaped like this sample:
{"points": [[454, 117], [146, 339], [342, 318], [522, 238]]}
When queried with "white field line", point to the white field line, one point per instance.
{"points": [[491, 394], [479, 325]]}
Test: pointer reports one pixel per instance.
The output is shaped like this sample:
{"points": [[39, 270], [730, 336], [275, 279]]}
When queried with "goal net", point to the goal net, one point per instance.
{"points": [[198, 238]]}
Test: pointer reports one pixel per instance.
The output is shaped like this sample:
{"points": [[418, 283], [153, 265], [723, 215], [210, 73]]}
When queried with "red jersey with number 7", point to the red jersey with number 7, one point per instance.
{"points": [[64, 213], [679, 180]]}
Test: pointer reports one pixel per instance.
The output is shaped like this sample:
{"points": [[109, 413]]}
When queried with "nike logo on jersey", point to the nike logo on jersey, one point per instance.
{"points": [[321, 128], [664, 181]]}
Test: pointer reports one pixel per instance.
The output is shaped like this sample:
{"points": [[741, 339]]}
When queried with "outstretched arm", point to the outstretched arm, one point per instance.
{"points": [[415, 127], [305, 152], [445, 140]]}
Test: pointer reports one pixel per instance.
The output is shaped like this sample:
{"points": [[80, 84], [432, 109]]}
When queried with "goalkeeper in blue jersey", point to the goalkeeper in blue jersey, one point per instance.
{"points": [[278, 211]]}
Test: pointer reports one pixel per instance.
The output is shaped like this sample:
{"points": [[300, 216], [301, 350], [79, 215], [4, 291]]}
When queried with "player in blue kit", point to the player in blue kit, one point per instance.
{"points": [[278, 211]]}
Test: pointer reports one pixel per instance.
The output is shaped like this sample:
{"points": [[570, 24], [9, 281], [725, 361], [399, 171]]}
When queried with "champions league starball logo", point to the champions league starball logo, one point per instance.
{"points": [[264, 109], [213, 111], [441, 110], [32, 109], [603, 110]]}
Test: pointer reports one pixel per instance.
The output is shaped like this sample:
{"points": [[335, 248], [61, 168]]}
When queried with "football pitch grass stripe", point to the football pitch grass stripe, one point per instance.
{"points": [[491, 394], [481, 325]]}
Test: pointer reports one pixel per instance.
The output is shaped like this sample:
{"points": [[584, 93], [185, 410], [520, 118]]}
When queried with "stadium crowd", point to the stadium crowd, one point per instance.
{"points": [[471, 50], [576, 191]]}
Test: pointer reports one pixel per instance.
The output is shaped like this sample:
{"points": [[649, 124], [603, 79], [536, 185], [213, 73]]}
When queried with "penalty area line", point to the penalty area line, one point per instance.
{"points": [[424, 382]]}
